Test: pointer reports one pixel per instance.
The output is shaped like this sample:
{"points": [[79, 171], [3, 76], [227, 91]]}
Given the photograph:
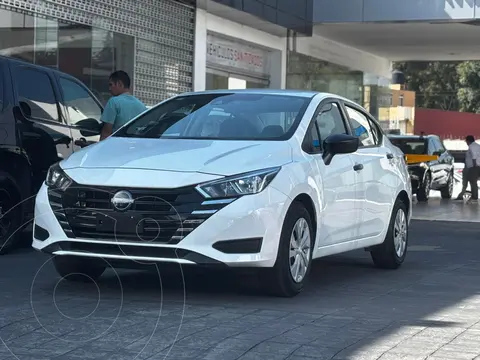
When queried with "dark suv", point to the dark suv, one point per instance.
{"points": [[430, 164], [45, 115]]}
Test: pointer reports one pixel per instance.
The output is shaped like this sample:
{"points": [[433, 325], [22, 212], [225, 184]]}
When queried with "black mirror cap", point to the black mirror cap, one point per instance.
{"points": [[88, 133], [339, 144], [89, 127]]}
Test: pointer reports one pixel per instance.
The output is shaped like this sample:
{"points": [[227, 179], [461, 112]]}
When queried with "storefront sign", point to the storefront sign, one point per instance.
{"points": [[236, 55]]}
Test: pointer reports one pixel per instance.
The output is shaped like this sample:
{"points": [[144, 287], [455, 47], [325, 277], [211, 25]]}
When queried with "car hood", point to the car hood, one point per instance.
{"points": [[219, 157]]}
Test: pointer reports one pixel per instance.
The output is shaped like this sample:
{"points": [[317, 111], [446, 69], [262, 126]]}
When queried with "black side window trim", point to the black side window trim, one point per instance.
{"points": [[3, 85], [61, 119]]}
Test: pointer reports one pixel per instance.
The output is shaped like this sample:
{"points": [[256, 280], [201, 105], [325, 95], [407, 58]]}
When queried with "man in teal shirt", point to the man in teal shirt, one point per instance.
{"points": [[122, 106]]}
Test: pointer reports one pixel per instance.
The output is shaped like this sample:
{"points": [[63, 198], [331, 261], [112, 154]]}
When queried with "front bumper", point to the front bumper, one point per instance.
{"points": [[243, 233], [416, 176]]}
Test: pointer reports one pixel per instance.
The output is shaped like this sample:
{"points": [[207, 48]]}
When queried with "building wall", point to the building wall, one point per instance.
{"points": [[340, 54], [394, 10], [447, 124], [398, 114], [206, 23], [290, 14], [339, 68], [162, 33], [408, 97]]}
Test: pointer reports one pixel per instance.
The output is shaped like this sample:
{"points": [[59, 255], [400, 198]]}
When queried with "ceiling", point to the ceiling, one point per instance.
{"points": [[241, 17], [408, 41]]}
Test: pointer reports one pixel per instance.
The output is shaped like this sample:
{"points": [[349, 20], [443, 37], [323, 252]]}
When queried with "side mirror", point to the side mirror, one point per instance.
{"points": [[339, 144], [89, 127]]}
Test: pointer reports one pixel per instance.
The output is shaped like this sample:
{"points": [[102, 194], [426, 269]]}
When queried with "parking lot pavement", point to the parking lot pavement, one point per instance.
{"points": [[446, 210], [350, 310]]}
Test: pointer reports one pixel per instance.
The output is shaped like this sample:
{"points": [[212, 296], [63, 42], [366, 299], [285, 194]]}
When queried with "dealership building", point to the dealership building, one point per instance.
{"points": [[153, 40], [267, 46], [172, 46]]}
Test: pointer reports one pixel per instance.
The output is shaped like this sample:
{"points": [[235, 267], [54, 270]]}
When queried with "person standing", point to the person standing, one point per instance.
{"points": [[464, 181], [472, 163], [122, 106]]}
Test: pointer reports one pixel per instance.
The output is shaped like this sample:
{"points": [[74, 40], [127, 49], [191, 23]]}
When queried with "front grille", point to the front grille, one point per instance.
{"points": [[164, 216]]}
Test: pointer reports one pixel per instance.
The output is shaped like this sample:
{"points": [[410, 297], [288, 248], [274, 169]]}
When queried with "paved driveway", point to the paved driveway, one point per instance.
{"points": [[350, 310]]}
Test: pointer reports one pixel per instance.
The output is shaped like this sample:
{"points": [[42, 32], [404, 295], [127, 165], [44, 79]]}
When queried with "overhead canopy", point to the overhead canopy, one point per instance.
{"points": [[423, 41]]}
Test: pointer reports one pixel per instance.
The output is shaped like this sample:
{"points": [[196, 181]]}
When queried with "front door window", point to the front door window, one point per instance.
{"points": [[80, 105]]}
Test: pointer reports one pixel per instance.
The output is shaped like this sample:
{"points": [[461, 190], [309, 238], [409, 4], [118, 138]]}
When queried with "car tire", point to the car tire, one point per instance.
{"points": [[447, 191], [78, 269], [279, 280], [423, 192], [11, 213], [387, 254]]}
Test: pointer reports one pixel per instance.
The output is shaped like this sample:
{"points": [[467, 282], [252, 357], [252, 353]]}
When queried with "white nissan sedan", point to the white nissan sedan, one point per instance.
{"points": [[237, 178]]}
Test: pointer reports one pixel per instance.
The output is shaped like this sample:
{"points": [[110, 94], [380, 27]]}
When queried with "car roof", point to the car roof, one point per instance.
{"points": [[286, 92], [410, 137], [47, 68]]}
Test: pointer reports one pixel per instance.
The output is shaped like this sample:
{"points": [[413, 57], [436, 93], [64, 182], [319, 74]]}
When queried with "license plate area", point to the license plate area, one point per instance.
{"points": [[120, 223]]}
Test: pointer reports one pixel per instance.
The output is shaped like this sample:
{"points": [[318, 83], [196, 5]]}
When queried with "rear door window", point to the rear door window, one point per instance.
{"points": [[35, 92]]}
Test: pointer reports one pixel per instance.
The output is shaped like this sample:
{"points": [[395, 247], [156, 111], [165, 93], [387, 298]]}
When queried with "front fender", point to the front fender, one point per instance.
{"points": [[297, 179], [418, 172]]}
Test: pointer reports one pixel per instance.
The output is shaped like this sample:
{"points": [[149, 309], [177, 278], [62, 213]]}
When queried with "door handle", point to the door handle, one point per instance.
{"points": [[358, 167], [82, 142], [389, 156]]}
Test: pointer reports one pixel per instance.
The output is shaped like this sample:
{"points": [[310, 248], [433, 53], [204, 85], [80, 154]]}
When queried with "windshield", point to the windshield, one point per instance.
{"points": [[410, 146], [220, 116]]}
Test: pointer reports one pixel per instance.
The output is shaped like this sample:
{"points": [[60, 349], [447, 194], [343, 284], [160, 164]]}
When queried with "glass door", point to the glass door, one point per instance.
{"points": [[235, 83], [216, 80]]}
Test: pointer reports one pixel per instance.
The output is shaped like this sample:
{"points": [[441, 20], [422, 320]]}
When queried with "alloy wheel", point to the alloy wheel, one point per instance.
{"points": [[427, 185], [450, 184], [300, 248], [400, 233]]}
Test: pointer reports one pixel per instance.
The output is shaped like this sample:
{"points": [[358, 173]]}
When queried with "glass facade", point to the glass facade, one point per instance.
{"points": [[306, 72], [377, 97], [90, 54], [216, 80]]}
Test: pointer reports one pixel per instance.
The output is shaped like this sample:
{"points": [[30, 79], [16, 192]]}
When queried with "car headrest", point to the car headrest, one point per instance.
{"points": [[272, 131]]}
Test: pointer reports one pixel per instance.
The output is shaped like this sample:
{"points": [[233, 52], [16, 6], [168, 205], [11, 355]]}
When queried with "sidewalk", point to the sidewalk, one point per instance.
{"points": [[446, 210]]}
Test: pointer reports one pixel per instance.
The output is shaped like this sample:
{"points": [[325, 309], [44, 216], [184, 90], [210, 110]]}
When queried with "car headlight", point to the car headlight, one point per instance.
{"points": [[56, 178], [244, 184]]}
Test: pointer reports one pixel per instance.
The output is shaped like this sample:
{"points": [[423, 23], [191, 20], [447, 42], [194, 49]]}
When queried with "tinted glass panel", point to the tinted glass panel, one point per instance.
{"points": [[432, 146], [410, 146], [440, 147], [40, 98], [80, 105], [231, 116], [88, 53]]}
